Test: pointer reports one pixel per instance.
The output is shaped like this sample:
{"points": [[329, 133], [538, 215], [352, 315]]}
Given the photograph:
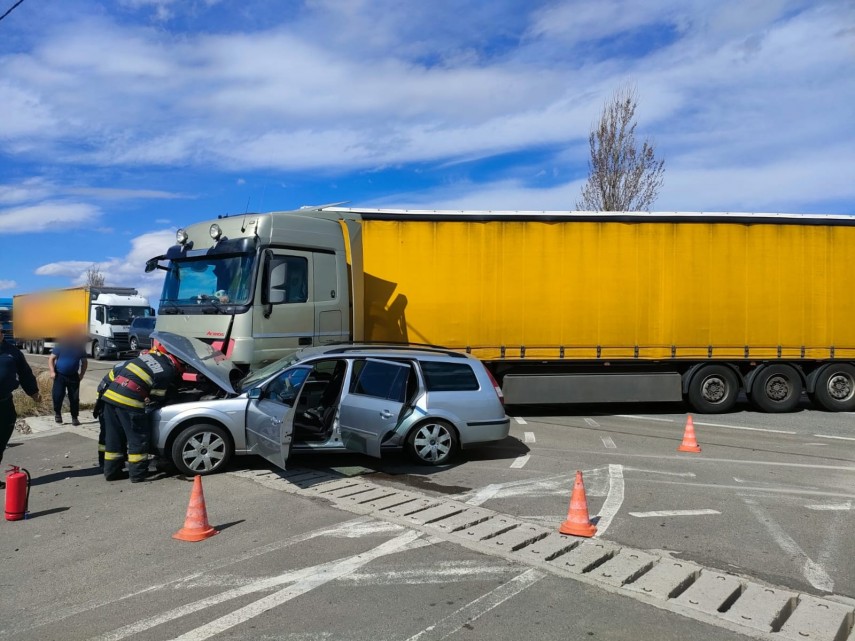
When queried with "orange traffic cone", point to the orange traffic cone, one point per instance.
{"points": [[578, 523], [196, 526], [690, 443]]}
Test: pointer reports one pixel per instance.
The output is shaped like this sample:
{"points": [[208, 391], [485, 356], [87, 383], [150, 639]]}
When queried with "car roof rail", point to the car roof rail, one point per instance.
{"points": [[386, 345]]}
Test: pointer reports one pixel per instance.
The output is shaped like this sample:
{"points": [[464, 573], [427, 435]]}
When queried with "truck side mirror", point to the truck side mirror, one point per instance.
{"points": [[154, 263], [273, 284]]}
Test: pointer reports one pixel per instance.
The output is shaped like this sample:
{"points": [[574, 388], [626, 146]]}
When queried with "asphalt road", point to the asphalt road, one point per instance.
{"points": [[96, 561], [770, 496]]}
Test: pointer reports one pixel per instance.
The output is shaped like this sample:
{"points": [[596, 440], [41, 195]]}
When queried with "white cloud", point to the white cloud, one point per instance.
{"points": [[125, 271], [7, 284], [58, 217], [730, 85]]}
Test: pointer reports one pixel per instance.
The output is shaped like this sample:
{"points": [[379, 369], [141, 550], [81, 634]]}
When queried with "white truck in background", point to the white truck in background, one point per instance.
{"points": [[101, 315]]}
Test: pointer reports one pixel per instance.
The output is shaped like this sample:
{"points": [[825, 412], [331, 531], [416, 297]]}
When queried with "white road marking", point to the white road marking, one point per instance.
{"points": [[484, 494], [478, 608], [644, 515], [741, 427], [608, 442], [259, 585], [811, 570], [831, 507], [322, 575], [520, 420], [749, 488], [429, 573], [528, 437], [520, 461], [592, 422], [669, 457], [645, 418], [638, 469], [53, 616], [835, 533], [613, 501], [839, 438]]}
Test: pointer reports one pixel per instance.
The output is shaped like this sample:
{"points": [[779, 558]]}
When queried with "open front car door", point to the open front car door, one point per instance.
{"points": [[374, 403], [270, 415]]}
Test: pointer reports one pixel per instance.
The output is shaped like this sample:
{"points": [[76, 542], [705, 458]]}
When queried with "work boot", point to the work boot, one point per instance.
{"points": [[75, 422], [58, 418], [140, 476]]}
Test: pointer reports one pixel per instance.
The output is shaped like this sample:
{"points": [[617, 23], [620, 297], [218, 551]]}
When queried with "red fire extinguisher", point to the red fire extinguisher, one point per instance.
{"points": [[17, 493]]}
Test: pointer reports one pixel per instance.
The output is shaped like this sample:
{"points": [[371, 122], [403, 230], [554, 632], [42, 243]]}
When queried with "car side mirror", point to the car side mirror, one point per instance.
{"points": [[254, 393]]}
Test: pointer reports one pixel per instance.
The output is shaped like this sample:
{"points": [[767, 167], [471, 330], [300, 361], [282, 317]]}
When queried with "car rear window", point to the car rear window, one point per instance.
{"points": [[449, 377]]}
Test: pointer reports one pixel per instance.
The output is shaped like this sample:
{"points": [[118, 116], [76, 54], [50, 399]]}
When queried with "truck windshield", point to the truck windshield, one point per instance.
{"points": [[221, 279], [124, 314]]}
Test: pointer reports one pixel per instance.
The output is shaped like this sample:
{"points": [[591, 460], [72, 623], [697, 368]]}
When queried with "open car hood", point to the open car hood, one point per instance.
{"points": [[206, 360]]}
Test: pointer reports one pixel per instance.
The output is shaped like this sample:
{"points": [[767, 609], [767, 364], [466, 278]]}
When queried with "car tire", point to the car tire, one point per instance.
{"points": [[835, 388], [201, 449], [776, 389], [713, 389], [134, 344], [432, 442]]}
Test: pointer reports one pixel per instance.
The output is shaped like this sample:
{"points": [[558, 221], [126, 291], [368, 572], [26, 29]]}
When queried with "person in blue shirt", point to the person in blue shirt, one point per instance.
{"points": [[67, 365], [14, 371]]}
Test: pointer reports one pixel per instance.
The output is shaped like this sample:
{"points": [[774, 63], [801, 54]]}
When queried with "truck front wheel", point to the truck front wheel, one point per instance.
{"points": [[97, 352], [713, 389], [835, 388], [776, 389]]}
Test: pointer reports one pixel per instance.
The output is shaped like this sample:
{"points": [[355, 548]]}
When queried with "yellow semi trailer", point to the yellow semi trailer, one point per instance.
{"points": [[562, 307]]}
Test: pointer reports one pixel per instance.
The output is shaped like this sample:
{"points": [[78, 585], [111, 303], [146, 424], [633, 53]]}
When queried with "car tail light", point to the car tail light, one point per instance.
{"points": [[496, 387]]}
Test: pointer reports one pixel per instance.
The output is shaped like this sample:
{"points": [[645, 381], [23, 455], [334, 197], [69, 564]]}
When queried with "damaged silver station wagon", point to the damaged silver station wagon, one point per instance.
{"points": [[430, 402]]}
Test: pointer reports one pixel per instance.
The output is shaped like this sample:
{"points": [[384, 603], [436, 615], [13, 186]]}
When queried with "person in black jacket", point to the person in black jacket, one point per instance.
{"points": [[143, 379], [14, 371]]}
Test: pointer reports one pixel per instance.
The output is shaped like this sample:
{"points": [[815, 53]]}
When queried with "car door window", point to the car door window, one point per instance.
{"points": [[379, 379], [284, 388]]}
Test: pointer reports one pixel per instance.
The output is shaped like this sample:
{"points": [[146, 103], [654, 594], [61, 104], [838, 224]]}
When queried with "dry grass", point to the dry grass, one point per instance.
{"points": [[25, 406]]}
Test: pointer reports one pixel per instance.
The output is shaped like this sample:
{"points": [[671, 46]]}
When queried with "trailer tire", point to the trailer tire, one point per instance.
{"points": [[835, 388], [713, 389], [776, 389]]}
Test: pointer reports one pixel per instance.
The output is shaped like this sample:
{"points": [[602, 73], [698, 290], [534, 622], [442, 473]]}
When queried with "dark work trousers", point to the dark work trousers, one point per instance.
{"points": [[126, 429], [7, 422], [61, 384], [102, 435]]}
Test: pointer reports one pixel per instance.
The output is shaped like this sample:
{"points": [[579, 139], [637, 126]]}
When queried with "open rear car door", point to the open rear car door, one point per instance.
{"points": [[372, 407]]}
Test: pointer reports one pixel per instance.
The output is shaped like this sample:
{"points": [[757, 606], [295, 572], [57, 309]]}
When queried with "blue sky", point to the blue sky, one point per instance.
{"points": [[123, 120]]}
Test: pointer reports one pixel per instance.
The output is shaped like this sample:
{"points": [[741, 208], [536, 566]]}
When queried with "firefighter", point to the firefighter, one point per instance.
{"points": [[145, 378], [98, 410]]}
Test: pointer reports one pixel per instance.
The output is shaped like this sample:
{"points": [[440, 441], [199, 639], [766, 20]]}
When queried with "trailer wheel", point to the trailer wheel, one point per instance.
{"points": [[835, 388], [776, 389], [713, 389]]}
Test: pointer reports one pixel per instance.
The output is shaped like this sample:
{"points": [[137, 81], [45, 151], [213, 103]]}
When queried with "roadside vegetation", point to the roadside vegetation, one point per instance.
{"points": [[26, 407]]}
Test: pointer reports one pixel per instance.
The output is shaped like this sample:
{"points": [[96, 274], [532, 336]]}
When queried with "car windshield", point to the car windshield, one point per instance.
{"points": [[219, 278], [123, 314], [257, 376]]}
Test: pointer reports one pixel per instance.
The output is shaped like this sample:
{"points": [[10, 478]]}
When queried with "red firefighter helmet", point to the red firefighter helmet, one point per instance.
{"points": [[157, 348]]}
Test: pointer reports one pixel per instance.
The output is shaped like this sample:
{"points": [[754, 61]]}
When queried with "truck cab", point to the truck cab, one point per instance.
{"points": [[111, 313], [259, 286]]}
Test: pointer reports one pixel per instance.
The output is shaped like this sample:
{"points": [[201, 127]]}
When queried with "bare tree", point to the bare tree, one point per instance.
{"points": [[94, 277], [621, 177]]}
